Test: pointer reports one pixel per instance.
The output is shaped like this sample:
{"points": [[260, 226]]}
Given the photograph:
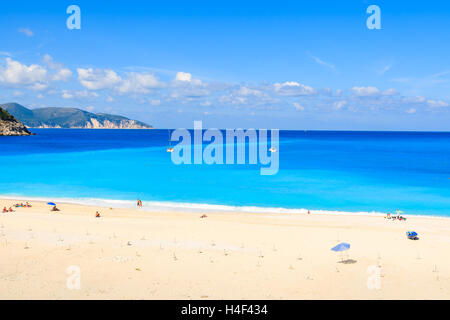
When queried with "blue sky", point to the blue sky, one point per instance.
{"points": [[278, 64]]}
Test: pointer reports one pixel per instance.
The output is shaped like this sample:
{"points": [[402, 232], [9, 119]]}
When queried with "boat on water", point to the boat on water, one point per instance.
{"points": [[169, 149]]}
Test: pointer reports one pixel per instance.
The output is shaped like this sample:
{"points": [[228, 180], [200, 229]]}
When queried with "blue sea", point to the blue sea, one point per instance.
{"points": [[318, 170]]}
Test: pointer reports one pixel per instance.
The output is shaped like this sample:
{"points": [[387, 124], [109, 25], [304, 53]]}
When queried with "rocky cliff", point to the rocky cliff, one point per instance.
{"points": [[9, 126]]}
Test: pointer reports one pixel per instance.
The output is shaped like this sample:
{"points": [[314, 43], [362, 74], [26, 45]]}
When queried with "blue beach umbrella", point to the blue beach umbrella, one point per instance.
{"points": [[51, 203], [412, 235], [341, 247]]}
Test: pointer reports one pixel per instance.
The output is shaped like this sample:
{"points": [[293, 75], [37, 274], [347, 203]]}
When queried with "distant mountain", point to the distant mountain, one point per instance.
{"points": [[9, 126], [70, 118]]}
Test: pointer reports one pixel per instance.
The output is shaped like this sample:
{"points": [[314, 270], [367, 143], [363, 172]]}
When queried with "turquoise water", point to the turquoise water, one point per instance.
{"points": [[319, 170]]}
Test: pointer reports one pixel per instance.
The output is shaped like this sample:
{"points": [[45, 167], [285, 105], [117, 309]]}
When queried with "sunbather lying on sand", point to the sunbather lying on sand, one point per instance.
{"points": [[21, 205], [55, 208]]}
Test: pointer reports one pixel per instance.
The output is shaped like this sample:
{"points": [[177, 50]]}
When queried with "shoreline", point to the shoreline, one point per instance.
{"points": [[167, 206]]}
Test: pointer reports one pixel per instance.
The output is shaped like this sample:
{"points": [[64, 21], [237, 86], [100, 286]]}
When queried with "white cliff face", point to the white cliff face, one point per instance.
{"points": [[44, 126], [106, 124]]}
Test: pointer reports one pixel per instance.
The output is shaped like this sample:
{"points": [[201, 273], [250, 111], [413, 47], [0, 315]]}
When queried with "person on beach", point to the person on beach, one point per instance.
{"points": [[139, 203], [10, 209], [55, 208], [5, 210], [97, 214]]}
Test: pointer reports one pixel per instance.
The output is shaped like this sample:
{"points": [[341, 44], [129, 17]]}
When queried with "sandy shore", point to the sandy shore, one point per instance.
{"points": [[132, 254]]}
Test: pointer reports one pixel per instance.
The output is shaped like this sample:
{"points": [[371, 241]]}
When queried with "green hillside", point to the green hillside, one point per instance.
{"points": [[67, 117]]}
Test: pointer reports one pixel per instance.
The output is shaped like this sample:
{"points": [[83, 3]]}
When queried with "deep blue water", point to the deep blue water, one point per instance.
{"points": [[344, 171]]}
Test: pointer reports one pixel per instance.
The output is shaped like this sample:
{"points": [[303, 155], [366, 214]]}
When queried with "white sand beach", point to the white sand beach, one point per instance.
{"points": [[134, 254]]}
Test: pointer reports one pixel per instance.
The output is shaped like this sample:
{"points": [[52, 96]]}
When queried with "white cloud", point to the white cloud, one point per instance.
{"points": [[183, 76], [86, 94], [232, 100], [245, 91], [417, 99], [365, 91], [288, 84], [184, 89], [138, 83], [98, 79], [339, 104], [83, 94], [26, 32], [132, 82], [51, 63], [390, 92], [323, 63], [62, 75], [437, 103], [38, 86], [292, 88], [66, 95], [16, 73], [298, 107]]}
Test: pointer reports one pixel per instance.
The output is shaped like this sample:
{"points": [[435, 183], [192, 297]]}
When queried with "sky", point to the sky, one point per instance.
{"points": [[304, 65]]}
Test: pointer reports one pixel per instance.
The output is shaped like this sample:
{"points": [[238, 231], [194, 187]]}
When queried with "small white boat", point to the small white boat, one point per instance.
{"points": [[273, 149], [169, 149]]}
